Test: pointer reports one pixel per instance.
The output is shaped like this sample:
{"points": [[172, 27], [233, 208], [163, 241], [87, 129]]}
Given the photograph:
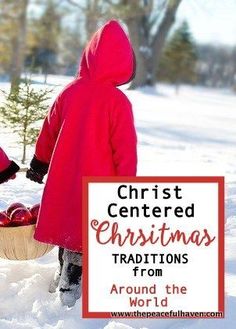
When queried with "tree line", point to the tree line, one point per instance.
{"points": [[48, 37]]}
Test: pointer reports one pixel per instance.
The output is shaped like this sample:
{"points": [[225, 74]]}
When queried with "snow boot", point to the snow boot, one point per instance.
{"points": [[70, 281], [55, 281]]}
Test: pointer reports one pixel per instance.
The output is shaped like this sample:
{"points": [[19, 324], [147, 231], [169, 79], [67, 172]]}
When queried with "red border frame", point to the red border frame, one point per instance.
{"points": [[154, 179]]}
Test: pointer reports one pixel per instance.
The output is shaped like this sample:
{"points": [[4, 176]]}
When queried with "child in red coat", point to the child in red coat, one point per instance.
{"points": [[89, 131], [8, 168]]}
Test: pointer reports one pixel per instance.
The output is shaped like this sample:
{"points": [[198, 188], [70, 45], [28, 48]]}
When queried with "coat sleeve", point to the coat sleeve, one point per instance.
{"points": [[47, 139], [123, 138], [4, 161], [7, 168]]}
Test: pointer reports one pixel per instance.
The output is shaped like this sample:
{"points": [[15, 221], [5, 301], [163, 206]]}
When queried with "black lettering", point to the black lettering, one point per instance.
{"points": [[166, 193], [109, 209], [178, 212], [177, 189], [119, 191]]}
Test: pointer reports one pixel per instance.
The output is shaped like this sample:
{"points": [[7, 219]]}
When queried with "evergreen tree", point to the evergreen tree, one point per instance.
{"points": [[178, 62], [22, 109]]}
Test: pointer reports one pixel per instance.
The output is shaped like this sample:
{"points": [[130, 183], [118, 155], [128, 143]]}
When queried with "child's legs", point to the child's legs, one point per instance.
{"points": [[70, 281]]}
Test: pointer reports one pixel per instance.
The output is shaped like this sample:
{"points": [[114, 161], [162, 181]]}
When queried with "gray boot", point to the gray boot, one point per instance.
{"points": [[70, 281]]}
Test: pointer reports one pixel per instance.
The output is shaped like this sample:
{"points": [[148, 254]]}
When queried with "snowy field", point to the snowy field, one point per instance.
{"points": [[193, 133]]}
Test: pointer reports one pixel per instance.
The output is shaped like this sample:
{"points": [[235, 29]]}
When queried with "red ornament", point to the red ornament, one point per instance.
{"points": [[13, 207], [34, 210], [4, 219], [21, 217]]}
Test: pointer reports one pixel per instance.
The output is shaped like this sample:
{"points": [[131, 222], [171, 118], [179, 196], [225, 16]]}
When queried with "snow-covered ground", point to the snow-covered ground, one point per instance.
{"points": [[189, 134]]}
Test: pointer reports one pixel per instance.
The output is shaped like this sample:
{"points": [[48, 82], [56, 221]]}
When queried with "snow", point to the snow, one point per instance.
{"points": [[192, 133]]}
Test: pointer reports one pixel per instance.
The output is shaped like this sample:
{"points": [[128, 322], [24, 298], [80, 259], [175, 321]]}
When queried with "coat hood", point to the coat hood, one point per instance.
{"points": [[108, 56]]}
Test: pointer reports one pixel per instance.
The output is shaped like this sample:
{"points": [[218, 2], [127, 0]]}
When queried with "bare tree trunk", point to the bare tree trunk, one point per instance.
{"points": [[92, 17], [147, 48], [19, 45], [160, 38], [24, 146], [138, 17], [24, 154], [137, 42], [91, 10]]}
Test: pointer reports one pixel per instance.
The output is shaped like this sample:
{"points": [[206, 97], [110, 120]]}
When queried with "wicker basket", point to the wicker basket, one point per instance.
{"points": [[17, 243]]}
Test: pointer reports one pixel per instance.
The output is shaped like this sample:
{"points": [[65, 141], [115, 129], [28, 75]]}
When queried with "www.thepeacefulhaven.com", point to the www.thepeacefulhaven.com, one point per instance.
{"points": [[169, 314]]}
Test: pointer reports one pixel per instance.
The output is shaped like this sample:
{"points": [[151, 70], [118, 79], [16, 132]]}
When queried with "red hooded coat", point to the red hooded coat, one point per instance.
{"points": [[89, 131], [7, 168]]}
